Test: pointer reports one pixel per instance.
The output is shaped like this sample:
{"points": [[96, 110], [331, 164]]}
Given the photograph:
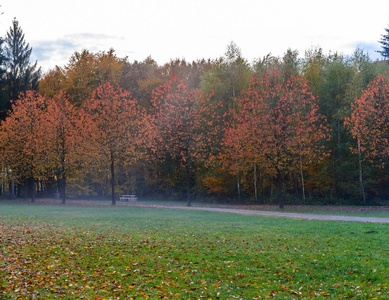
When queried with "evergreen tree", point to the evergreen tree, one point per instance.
{"points": [[21, 75], [385, 44], [3, 97]]}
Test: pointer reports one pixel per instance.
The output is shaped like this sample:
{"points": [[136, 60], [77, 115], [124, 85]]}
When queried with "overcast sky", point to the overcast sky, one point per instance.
{"points": [[193, 29]]}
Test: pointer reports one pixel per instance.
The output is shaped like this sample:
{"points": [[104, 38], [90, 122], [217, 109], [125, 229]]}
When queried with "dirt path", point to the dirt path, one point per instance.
{"points": [[247, 210], [273, 213]]}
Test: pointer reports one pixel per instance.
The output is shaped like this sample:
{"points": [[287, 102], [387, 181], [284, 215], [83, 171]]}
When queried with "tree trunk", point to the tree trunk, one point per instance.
{"points": [[361, 173], [113, 179], [302, 177], [12, 187], [63, 159], [18, 190], [238, 186], [26, 183], [255, 183], [188, 198], [261, 181], [32, 181], [280, 191], [63, 187], [340, 178]]}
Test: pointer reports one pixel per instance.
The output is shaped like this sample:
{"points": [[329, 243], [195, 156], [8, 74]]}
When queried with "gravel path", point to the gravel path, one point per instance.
{"points": [[278, 214]]}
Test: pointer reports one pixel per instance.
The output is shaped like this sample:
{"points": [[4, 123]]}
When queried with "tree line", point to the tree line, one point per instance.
{"points": [[277, 130]]}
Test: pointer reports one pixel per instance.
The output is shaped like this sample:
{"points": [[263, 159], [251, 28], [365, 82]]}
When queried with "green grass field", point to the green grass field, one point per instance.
{"points": [[76, 252]]}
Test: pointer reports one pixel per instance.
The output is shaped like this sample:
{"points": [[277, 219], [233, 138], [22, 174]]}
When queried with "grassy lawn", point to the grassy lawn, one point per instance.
{"points": [[73, 252]]}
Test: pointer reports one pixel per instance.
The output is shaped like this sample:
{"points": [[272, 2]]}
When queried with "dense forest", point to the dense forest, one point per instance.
{"points": [[284, 130]]}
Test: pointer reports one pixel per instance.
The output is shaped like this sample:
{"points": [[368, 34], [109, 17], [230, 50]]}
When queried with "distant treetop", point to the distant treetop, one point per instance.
{"points": [[385, 44]]}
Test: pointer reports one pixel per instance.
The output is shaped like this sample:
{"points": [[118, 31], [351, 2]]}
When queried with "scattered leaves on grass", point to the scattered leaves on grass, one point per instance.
{"points": [[184, 255]]}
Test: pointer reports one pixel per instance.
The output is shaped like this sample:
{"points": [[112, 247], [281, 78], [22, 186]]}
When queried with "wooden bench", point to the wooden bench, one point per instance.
{"points": [[128, 198]]}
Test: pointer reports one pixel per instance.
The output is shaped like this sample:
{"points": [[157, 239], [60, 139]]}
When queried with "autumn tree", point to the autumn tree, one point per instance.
{"points": [[277, 124], [82, 75], [227, 78], [61, 134], [312, 68], [140, 78], [53, 82], [190, 72], [116, 126], [369, 125], [184, 125], [21, 148]]}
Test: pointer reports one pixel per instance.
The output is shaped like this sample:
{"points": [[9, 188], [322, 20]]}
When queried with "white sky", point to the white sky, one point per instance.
{"points": [[193, 29]]}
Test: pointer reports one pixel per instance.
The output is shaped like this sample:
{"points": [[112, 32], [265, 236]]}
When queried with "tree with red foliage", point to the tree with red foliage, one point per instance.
{"points": [[21, 148], [369, 124], [276, 124], [61, 136], [185, 125], [115, 124]]}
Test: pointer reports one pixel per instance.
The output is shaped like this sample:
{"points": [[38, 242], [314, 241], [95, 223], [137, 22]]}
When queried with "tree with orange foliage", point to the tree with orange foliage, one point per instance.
{"points": [[61, 133], [369, 124], [277, 125], [116, 125], [185, 125], [82, 75], [21, 147], [53, 82]]}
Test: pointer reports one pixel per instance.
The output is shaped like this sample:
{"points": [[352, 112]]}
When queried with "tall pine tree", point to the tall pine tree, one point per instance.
{"points": [[21, 75], [385, 44], [3, 96]]}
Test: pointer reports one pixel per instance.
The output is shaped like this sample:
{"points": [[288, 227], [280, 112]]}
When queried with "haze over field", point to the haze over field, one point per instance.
{"points": [[194, 29]]}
